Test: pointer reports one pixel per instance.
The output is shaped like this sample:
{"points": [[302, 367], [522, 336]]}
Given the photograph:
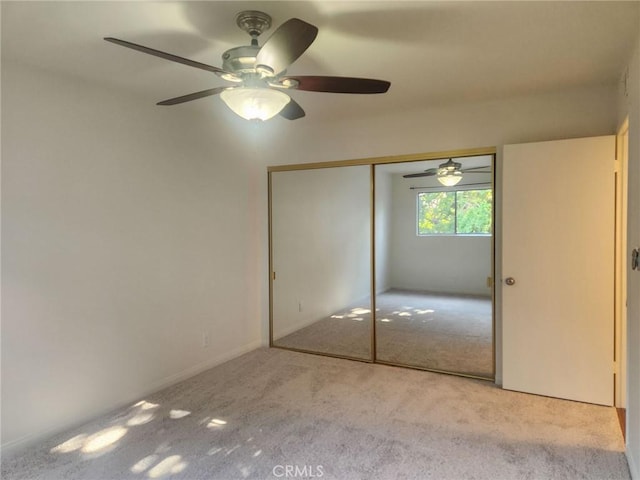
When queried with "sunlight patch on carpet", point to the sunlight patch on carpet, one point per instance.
{"points": [[104, 440], [144, 405], [140, 419], [175, 414], [169, 466], [71, 445], [144, 464], [216, 423]]}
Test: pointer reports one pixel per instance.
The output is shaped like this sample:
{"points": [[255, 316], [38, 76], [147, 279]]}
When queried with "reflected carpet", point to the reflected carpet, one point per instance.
{"points": [[452, 333]]}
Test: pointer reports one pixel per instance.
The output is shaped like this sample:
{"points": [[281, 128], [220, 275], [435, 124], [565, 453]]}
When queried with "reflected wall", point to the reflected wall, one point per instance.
{"points": [[321, 260]]}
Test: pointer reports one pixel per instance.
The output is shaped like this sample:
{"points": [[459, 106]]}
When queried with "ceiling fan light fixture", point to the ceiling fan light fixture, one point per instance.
{"points": [[265, 71], [449, 178], [230, 77], [255, 103], [257, 68], [289, 82]]}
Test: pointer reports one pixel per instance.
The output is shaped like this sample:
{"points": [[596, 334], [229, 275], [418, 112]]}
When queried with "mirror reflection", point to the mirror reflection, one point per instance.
{"points": [[434, 263], [321, 258]]}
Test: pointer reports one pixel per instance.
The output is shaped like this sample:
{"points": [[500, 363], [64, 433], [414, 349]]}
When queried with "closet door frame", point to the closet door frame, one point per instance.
{"points": [[372, 162]]}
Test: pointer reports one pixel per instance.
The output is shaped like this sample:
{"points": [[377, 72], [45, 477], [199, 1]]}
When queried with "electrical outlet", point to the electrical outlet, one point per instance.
{"points": [[206, 339]]}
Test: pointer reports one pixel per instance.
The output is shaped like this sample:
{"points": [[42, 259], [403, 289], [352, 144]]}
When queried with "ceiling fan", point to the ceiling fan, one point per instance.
{"points": [[260, 71], [449, 173]]}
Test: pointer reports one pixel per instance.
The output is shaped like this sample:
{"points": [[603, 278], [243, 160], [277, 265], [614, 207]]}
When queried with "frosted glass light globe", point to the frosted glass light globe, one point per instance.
{"points": [[255, 103]]}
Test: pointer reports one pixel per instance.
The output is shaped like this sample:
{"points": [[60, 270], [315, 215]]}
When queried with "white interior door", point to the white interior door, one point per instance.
{"points": [[558, 247]]}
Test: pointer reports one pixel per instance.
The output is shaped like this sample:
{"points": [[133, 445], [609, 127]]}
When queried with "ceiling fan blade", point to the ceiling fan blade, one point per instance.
{"points": [[193, 96], [338, 84], [475, 168], [292, 111], [426, 173], [166, 56], [475, 171], [286, 44]]}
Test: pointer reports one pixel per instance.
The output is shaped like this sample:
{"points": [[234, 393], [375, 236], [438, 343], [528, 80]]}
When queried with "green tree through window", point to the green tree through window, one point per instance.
{"points": [[464, 212]]}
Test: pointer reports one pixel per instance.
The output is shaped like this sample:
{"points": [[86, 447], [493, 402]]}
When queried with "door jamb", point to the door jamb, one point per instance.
{"points": [[620, 308]]}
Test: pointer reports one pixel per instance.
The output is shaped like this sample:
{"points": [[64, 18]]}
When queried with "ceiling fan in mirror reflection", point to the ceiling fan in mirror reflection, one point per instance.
{"points": [[449, 173]]}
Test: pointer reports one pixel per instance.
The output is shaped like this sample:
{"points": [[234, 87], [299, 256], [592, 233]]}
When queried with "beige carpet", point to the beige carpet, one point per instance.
{"points": [[452, 333], [273, 409]]}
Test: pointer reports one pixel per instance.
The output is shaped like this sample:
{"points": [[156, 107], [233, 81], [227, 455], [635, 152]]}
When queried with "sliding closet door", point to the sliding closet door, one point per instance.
{"points": [[321, 261], [434, 246]]}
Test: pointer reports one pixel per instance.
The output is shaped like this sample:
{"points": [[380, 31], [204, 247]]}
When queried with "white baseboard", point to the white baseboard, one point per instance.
{"points": [[201, 367], [633, 466], [15, 447], [294, 328]]}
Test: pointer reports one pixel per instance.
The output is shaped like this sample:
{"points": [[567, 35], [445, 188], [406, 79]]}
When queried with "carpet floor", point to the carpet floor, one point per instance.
{"points": [[274, 411], [452, 333]]}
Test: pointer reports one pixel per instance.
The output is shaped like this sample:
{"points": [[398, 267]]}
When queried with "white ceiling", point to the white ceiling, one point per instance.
{"points": [[433, 53]]}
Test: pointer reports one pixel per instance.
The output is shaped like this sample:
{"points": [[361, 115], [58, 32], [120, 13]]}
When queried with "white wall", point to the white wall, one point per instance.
{"points": [[448, 264], [629, 104], [551, 116], [129, 231], [565, 114], [321, 230]]}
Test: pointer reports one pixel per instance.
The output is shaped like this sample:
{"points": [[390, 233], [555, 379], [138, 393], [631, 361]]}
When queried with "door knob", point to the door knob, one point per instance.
{"points": [[510, 281]]}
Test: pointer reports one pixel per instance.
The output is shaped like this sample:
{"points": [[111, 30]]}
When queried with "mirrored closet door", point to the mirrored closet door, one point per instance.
{"points": [[423, 226], [434, 257], [321, 261]]}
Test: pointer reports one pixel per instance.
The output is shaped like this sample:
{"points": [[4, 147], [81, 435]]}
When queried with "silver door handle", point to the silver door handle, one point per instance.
{"points": [[510, 281]]}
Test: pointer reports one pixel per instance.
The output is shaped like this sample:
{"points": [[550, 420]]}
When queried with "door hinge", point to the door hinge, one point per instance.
{"points": [[274, 275]]}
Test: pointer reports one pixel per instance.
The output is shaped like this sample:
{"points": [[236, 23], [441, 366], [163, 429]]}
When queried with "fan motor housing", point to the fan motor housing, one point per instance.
{"points": [[451, 166], [240, 59]]}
